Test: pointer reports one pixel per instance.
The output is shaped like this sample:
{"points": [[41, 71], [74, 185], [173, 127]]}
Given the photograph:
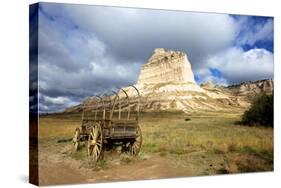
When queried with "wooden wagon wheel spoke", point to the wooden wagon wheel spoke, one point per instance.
{"points": [[76, 140], [135, 150], [96, 153], [135, 146], [138, 134], [137, 140], [98, 144], [95, 143], [97, 149]]}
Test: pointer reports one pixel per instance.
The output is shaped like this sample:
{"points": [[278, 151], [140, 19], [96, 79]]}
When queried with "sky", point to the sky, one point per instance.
{"points": [[86, 50]]}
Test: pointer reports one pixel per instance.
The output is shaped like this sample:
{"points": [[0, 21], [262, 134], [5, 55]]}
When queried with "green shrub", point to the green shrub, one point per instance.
{"points": [[260, 112]]}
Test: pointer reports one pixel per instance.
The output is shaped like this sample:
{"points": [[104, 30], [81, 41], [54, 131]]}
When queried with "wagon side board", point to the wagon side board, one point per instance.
{"points": [[121, 129], [113, 129]]}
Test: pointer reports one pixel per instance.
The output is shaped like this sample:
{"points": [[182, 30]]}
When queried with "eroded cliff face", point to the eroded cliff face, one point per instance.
{"points": [[166, 82], [250, 90], [166, 66], [261, 86]]}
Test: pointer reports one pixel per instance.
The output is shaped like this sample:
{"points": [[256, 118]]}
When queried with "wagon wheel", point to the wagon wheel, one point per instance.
{"points": [[76, 140], [135, 146], [95, 142]]}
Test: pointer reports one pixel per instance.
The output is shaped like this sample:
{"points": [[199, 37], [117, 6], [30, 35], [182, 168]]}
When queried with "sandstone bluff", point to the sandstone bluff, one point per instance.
{"points": [[166, 82], [166, 66]]}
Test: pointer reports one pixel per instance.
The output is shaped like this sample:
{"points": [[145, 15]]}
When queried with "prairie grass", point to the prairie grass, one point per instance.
{"points": [[206, 138], [58, 126], [211, 131]]}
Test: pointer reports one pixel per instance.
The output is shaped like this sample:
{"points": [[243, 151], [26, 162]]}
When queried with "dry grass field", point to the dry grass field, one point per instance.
{"points": [[211, 135], [175, 144]]}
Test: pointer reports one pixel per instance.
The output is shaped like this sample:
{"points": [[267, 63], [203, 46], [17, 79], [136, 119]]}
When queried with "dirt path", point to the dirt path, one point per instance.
{"points": [[59, 173], [58, 168], [153, 168]]}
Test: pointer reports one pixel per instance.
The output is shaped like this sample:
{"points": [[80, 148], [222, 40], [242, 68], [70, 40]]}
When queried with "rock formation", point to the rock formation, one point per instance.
{"points": [[251, 89], [166, 66], [257, 87], [166, 82]]}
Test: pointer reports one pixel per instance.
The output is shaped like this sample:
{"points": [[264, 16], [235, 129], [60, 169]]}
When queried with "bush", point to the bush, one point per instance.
{"points": [[260, 112]]}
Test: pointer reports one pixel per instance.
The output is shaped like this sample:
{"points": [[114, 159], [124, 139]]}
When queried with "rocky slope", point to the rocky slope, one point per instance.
{"points": [[166, 82], [253, 88]]}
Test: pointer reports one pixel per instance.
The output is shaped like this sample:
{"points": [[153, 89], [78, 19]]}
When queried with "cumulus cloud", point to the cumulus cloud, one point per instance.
{"points": [[50, 104], [55, 100], [237, 65], [86, 50]]}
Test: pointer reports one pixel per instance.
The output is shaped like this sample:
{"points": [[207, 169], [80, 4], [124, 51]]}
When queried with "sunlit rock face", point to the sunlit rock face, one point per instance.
{"points": [[253, 88], [166, 82], [261, 86], [166, 66]]}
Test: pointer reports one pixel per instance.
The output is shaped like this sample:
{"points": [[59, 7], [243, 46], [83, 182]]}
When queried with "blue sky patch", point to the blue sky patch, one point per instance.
{"points": [[215, 72], [197, 78], [255, 32]]}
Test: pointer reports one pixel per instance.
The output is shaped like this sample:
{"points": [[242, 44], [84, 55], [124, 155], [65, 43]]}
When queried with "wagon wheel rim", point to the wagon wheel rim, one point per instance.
{"points": [[76, 140], [135, 146], [95, 143]]}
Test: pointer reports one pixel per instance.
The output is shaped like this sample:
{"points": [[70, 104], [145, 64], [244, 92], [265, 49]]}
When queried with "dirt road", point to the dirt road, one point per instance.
{"points": [[57, 167]]}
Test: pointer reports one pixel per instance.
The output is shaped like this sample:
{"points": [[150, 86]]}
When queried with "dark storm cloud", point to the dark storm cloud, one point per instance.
{"points": [[86, 50]]}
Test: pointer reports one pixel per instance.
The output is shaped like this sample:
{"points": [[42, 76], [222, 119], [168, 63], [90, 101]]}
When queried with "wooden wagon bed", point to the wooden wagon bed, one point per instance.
{"points": [[104, 123]]}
